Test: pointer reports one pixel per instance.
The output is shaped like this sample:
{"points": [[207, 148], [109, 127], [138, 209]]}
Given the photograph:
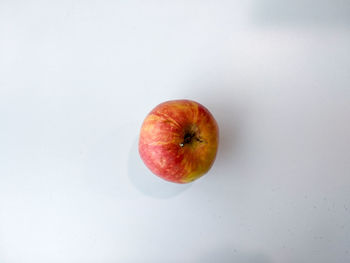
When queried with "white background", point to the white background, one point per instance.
{"points": [[77, 79]]}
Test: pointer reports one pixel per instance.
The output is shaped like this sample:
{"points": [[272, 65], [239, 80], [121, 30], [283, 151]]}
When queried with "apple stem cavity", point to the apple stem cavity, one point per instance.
{"points": [[188, 138]]}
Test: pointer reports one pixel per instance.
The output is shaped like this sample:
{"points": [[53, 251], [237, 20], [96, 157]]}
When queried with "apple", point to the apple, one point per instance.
{"points": [[179, 140]]}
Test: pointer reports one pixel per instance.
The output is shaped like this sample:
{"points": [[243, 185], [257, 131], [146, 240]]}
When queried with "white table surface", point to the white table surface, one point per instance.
{"points": [[78, 77]]}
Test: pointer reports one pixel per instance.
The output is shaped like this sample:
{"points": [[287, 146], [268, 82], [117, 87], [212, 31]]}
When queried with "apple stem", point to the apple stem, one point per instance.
{"points": [[188, 139]]}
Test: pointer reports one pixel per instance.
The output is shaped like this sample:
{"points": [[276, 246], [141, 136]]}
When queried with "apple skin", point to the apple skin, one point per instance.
{"points": [[179, 140]]}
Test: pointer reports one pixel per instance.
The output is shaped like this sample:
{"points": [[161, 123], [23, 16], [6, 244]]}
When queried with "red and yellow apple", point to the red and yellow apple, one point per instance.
{"points": [[179, 140]]}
